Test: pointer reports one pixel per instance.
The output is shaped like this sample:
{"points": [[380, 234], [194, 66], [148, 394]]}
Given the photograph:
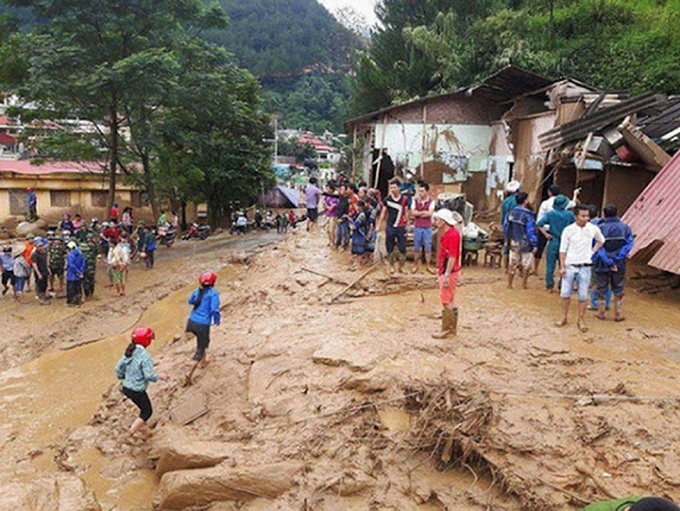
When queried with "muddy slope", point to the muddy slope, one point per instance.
{"points": [[354, 406]]}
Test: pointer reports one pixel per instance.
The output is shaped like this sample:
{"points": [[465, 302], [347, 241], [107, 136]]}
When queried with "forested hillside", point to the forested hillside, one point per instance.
{"points": [[297, 49], [439, 45]]}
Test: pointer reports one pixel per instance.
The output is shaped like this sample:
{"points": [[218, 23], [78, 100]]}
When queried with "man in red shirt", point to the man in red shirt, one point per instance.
{"points": [[448, 264]]}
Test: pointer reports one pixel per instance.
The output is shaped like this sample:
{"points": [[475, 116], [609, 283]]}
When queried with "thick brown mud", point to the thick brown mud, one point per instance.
{"points": [[351, 405]]}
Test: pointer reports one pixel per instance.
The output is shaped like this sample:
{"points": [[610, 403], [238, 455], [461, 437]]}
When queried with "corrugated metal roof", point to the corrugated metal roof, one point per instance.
{"points": [[665, 122], [578, 129], [655, 218], [508, 83]]}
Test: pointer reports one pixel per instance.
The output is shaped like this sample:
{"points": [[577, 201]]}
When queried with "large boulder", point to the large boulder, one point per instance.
{"points": [[200, 487], [39, 227], [176, 451], [64, 492]]}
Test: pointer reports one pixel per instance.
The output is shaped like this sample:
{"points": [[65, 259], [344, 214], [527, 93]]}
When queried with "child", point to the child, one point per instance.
{"points": [[119, 258], [135, 368], [149, 247], [206, 302], [7, 262]]}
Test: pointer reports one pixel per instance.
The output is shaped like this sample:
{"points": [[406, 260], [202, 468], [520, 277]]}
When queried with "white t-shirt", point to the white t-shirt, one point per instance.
{"points": [[577, 243], [548, 205]]}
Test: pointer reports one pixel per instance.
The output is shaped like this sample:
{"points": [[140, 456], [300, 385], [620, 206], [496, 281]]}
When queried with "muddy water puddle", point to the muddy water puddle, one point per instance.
{"points": [[60, 391]]}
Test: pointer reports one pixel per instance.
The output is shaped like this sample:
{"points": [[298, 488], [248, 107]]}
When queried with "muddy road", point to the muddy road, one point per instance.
{"points": [[313, 406]]}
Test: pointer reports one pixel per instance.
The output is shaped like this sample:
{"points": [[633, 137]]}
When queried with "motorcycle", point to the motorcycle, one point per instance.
{"points": [[167, 235], [197, 231]]}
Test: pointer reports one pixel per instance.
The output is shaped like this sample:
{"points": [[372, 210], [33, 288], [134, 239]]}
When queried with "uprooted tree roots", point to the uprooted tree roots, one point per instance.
{"points": [[448, 422]]}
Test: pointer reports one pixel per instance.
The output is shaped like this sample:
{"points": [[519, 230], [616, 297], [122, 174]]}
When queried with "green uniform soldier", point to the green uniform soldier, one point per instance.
{"points": [[56, 254], [89, 249]]}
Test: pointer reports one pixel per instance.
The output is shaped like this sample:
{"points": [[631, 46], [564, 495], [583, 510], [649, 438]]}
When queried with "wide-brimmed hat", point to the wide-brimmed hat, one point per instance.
{"points": [[446, 215]]}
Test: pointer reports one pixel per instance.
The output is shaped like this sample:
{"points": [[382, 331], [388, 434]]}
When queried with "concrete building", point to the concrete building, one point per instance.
{"points": [[61, 187]]}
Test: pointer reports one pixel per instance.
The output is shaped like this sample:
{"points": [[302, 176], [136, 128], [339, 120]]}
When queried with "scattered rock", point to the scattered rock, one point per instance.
{"points": [[337, 352], [176, 451], [37, 227], [200, 487]]}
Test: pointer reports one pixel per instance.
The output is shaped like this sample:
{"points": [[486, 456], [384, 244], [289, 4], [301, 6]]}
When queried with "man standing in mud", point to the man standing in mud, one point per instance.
{"points": [[89, 250], [395, 210], [610, 261], [75, 269], [576, 261], [520, 231], [448, 265], [312, 194]]}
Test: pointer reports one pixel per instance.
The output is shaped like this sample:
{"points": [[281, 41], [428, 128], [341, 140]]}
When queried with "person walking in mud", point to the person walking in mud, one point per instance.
{"points": [[149, 247], [448, 265], [520, 231], [206, 312], [395, 211], [136, 370], [610, 261], [75, 270], [119, 259], [576, 261]]}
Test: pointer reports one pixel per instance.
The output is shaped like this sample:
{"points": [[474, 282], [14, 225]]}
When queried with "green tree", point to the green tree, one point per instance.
{"points": [[212, 133], [97, 63]]}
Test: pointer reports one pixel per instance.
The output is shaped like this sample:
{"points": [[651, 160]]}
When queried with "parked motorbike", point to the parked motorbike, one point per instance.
{"points": [[167, 235], [197, 232]]}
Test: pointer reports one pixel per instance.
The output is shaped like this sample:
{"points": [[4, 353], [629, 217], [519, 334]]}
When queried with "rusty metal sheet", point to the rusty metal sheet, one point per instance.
{"points": [[655, 218]]}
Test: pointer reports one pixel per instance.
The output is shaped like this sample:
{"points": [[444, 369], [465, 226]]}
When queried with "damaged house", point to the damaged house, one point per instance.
{"points": [[519, 125]]}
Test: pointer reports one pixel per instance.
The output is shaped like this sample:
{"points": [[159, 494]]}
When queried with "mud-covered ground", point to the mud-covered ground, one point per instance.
{"points": [[351, 405]]}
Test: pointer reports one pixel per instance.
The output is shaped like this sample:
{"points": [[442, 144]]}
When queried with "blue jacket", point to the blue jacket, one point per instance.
{"points": [[76, 265], [520, 226], [618, 244], [32, 199], [136, 371], [209, 310]]}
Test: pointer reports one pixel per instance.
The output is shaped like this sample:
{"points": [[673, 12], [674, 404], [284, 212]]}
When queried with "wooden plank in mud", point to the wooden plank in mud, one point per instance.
{"points": [[192, 406]]}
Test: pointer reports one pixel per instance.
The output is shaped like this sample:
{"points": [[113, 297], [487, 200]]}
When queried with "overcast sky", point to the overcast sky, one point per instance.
{"points": [[364, 7]]}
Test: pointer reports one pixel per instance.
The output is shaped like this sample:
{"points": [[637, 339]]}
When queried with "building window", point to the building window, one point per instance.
{"points": [[18, 202], [60, 199], [100, 199]]}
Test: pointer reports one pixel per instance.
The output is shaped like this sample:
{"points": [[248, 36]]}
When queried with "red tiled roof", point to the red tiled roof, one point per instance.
{"points": [[655, 217], [4, 120], [6, 139], [69, 167]]}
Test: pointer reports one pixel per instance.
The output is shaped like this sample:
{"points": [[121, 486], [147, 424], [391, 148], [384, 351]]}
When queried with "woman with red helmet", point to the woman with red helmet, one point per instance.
{"points": [[206, 311], [135, 368]]}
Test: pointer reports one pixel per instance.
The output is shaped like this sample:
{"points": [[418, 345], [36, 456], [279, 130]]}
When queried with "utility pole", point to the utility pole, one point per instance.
{"points": [[276, 139]]}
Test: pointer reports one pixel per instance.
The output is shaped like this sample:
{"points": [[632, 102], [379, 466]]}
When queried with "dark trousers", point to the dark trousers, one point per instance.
{"points": [[149, 258], [395, 236], [41, 286], [342, 235], [88, 284], [542, 242], [73, 291], [142, 401]]}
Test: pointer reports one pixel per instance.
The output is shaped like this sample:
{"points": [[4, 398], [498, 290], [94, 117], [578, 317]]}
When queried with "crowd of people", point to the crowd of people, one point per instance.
{"points": [[65, 259], [589, 251]]}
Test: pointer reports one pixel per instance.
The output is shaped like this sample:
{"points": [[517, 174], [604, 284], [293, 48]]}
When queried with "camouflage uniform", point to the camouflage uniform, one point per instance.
{"points": [[56, 253], [89, 250]]}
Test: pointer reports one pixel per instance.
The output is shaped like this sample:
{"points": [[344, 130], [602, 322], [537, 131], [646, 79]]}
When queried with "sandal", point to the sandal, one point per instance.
{"points": [[581, 327], [561, 323]]}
